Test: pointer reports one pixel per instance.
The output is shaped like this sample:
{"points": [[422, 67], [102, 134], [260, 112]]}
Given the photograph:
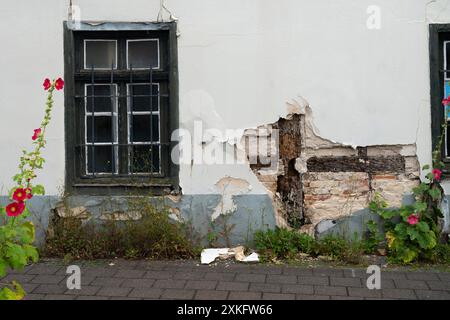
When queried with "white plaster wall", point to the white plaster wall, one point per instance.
{"points": [[243, 59]]}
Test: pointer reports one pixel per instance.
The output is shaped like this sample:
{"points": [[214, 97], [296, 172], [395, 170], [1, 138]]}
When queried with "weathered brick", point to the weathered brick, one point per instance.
{"points": [[107, 282], [43, 269], [239, 295], [411, 284], [346, 282], [201, 284], [211, 295], [146, 293], [178, 294], [288, 279], [278, 296], [170, 284], [138, 283], [48, 279], [313, 280], [159, 275], [324, 272], [432, 295], [439, 285], [298, 288], [364, 292], [265, 287], [129, 274], [422, 276], [220, 276], [114, 292], [398, 294], [232, 286], [188, 275], [84, 291], [330, 291], [250, 277], [50, 289], [297, 271]]}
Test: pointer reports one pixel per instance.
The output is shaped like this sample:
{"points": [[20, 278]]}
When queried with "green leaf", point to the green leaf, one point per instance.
{"points": [[435, 193], [38, 190], [423, 226], [426, 167]]}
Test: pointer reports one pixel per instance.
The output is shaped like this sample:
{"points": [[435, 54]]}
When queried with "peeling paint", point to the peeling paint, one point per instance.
{"points": [[229, 187]]}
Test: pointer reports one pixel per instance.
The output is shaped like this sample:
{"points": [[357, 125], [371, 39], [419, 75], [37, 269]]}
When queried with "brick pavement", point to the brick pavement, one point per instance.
{"points": [[187, 280]]}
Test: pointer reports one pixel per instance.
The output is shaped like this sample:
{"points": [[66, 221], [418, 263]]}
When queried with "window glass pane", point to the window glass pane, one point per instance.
{"points": [[140, 100], [100, 97], [145, 159], [143, 130], [143, 54], [102, 129], [103, 158], [100, 54], [447, 58]]}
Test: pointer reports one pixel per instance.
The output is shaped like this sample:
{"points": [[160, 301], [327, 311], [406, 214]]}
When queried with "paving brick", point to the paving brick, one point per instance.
{"points": [[411, 284], [58, 297], [29, 287], [239, 295], [398, 294], [170, 284], [313, 280], [91, 298], [278, 296], [129, 273], [188, 276], [364, 293], [267, 269], [298, 288], [288, 279], [220, 276], [32, 296], [98, 271], [345, 298], [114, 292], [444, 276], [297, 271], [232, 286], [43, 269], [138, 283], [439, 285], [146, 293], [251, 277], [319, 272], [265, 287], [48, 279], [432, 295], [330, 291], [84, 291], [393, 275], [107, 282], [422, 276], [355, 273], [159, 275], [311, 297], [211, 295], [201, 284], [178, 294], [50, 289], [21, 278], [385, 283], [346, 282]]}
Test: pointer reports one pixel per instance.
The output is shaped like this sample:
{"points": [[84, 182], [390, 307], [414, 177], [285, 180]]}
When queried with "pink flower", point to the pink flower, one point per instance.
{"points": [[37, 133], [20, 194], [47, 84], [437, 174], [59, 84], [15, 209], [413, 219]]}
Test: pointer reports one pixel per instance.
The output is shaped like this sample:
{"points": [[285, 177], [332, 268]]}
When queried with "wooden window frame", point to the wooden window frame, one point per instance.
{"points": [[75, 75]]}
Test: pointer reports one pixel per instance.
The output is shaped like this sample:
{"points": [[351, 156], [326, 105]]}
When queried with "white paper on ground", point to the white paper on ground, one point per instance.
{"points": [[209, 255]]}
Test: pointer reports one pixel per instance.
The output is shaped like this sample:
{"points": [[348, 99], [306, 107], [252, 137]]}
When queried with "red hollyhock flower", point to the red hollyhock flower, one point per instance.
{"points": [[29, 193], [59, 84], [437, 174], [47, 84], [37, 133], [413, 219], [20, 194], [15, 209]]}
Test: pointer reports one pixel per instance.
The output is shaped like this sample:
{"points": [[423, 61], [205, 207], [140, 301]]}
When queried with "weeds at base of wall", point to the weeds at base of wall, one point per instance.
{"points": [[154, 236], [282, 245]]}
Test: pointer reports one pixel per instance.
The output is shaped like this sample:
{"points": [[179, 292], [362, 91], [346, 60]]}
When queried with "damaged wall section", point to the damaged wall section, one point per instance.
{"points": [[316, 179]]}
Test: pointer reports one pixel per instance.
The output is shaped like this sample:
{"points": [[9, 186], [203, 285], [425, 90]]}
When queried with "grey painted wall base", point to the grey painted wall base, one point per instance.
{"points": [[253, 212]]}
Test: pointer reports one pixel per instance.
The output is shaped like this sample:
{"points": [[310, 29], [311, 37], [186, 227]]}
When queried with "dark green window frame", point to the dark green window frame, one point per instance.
{"points": [[76, 179]]}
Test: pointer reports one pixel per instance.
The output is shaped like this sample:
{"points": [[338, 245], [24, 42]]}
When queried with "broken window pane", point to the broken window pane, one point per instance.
{"points": [[145, 159], [140, 99], [102, 97], [143, 130], [103, 158], [100, 54], [143, 54]]}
